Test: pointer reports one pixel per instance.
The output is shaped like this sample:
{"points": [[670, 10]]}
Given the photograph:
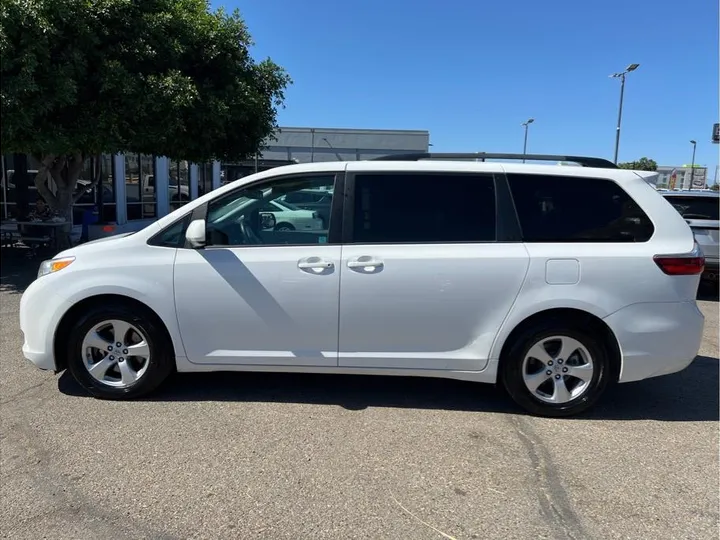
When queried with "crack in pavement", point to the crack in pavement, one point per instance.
{"points": [[554, 503]]}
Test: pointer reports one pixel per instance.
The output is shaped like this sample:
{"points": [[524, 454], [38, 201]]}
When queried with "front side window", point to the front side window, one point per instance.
{"points": [[173, 236], [257, 215], [424, 208], [576, 209]]}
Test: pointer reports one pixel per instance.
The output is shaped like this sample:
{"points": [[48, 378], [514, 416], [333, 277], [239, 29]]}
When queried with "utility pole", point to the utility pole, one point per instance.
{"points": [[692, 165], [621, 76], [526, 125]]}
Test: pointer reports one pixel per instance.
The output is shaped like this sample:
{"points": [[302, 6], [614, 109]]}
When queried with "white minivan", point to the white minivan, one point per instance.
{"points": [[551, 281]]}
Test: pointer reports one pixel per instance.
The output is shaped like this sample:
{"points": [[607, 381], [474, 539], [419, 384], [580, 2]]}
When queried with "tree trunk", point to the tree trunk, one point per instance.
{"points": [[65, 170]]}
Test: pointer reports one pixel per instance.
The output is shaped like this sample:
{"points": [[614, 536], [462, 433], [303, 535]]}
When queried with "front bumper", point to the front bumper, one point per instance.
{"points": [[656, 338], [40, 313]]}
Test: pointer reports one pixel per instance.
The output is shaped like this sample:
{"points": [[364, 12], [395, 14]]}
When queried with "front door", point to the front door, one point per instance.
{"points": [[425, 283], [256, 296]]}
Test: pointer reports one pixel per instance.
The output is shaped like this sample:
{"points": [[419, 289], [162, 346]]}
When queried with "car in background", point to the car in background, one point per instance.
{"points": [[700, 210], [288, 217], [319, 200]]}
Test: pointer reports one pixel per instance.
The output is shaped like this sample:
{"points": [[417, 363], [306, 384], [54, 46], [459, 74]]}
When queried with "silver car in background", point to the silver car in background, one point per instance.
{"points": [[700, 210]]}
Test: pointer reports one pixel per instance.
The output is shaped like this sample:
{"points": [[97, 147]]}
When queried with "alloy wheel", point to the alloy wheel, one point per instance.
{"points": [[557, 369], [116, 353]]}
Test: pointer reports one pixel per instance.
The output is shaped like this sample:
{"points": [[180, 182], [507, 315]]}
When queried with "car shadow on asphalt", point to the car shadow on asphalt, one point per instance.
{"points": [[708, 292], [691, 395]]}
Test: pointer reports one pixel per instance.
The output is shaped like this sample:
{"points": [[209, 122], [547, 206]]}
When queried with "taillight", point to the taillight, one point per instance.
{"points": [[681, 265]]}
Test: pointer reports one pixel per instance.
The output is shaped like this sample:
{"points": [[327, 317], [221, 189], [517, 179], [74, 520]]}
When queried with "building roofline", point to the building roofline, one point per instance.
{"points": [[682, 166], [354, 130]]}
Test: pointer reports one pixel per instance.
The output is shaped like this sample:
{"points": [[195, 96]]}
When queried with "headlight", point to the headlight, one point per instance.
{"points": [[54, 265]]}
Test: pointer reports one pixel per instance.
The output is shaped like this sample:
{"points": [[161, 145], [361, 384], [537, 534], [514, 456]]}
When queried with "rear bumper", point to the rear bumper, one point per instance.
{"points": [[656, 338]]}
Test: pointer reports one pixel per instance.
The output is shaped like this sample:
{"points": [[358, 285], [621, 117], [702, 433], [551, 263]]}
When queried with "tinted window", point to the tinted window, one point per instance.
{"points": [[412, 208], [172, 236], [696, 207], [575, 209]]}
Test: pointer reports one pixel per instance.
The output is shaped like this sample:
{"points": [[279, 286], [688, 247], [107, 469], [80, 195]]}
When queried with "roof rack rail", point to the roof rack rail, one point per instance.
{"points": [[584, 161]]}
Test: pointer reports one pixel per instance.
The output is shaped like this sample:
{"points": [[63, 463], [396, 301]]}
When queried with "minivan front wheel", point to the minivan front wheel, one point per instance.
{"points": [[555, 371], [114, 352]]}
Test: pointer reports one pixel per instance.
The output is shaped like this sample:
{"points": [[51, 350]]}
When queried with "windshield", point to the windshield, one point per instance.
{"points": [[696, 207]]}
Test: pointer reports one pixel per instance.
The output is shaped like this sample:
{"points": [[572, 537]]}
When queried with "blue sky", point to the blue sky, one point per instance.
{"points": [[472, 72]]}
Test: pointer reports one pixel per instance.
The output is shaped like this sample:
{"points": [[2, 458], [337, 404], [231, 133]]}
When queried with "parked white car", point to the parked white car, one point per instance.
{"points": [[552, 281], [288, 217]]}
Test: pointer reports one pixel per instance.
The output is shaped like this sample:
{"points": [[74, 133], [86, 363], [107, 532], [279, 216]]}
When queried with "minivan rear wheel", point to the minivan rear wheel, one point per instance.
{"points": [[116, 352], [555, 370]]}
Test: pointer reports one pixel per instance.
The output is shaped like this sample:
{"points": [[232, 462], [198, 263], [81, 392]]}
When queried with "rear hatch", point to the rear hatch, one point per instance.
{"points": [[701, 213]]}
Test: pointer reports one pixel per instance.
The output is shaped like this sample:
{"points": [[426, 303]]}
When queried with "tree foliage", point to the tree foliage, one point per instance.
{"points": [[642, 164], [163, 77]]}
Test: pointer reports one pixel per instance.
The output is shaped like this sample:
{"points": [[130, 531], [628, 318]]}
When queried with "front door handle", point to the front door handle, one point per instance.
{"points": [[365, 261], [314, 263]]}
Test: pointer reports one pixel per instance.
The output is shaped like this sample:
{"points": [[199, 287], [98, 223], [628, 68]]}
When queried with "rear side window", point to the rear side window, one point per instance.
{"points": [[576, 209], [696, 207], [424, 208]]}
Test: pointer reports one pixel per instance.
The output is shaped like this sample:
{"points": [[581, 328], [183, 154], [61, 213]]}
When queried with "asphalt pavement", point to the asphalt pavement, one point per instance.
{"points": [[276, 456]]}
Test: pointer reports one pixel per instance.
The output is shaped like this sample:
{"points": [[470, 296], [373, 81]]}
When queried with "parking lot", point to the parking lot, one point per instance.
{"points": [[300, 456]]}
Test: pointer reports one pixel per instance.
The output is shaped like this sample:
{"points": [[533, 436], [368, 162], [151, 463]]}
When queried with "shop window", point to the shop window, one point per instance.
{"points": [[140, 186], [179, 185], [229, 172], [9, 192], [204, 178], [107, 202], [98, 193], [18, 194]]}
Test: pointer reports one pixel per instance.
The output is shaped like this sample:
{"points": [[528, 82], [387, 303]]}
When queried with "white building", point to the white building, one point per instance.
{"points": [[680, 177], [138, 189]]}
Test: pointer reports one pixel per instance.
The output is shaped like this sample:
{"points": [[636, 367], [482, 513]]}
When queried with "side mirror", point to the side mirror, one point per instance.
{"points": [[195, 234], [267, 220]]}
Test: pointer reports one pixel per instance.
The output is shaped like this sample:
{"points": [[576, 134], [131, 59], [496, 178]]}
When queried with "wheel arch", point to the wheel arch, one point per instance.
{"points": [[72, 315], [577, 318], [285, 223]]}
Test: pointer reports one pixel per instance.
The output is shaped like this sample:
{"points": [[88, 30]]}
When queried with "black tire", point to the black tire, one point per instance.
{"points": [[284, 225], [511, 366], [161, 361]]}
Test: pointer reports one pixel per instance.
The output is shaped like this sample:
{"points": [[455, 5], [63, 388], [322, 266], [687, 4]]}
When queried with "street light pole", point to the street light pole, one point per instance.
{"points": [[526, 125], [692, 166], [621, 76]]}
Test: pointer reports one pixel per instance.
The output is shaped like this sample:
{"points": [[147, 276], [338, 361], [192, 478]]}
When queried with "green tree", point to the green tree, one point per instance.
{"points": [[715, 187], [642, 164], [166, 77]]}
